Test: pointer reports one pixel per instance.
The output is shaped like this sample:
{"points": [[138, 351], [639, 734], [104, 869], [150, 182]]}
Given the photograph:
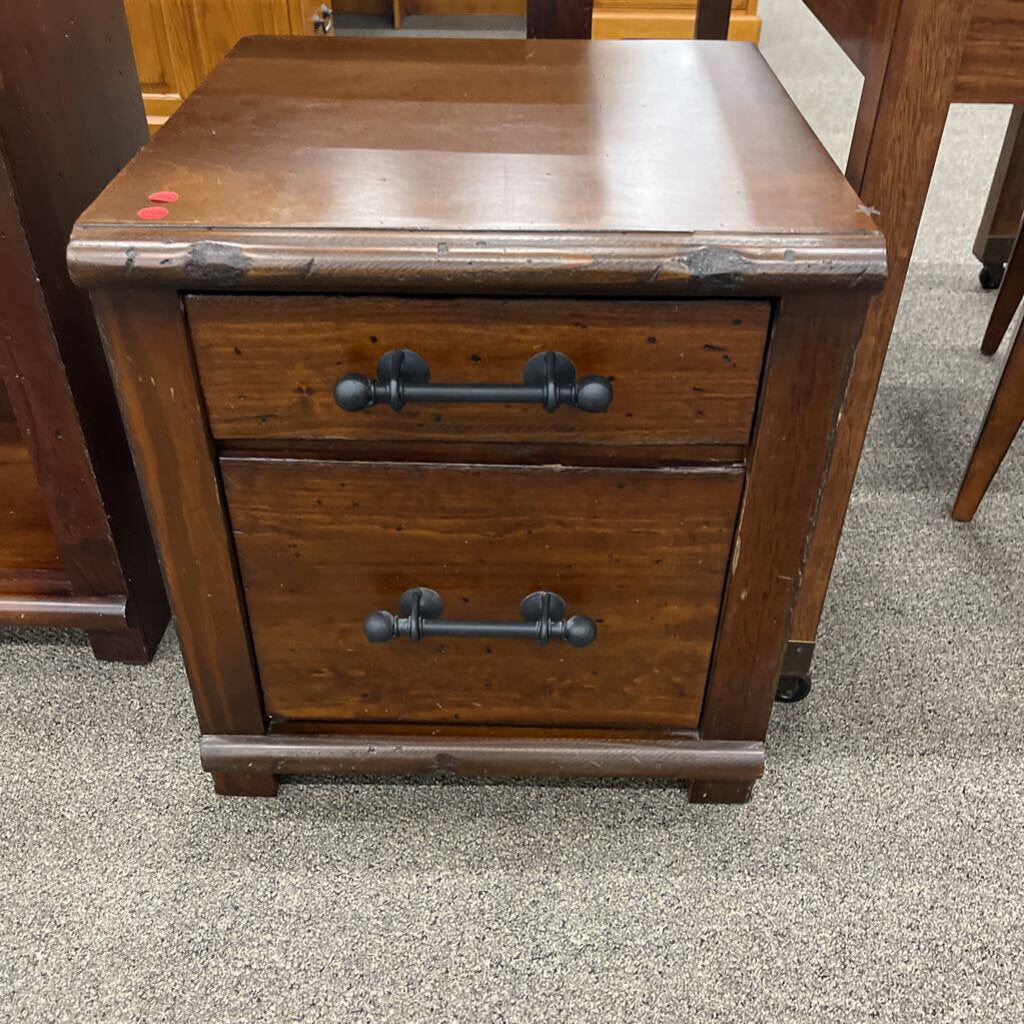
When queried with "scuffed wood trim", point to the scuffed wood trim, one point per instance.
{"points": [[373, 261]]}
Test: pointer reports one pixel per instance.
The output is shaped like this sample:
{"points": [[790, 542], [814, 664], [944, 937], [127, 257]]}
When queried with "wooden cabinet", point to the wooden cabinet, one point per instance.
{"points": [[498, 389], [75, 547], [179, 42]]}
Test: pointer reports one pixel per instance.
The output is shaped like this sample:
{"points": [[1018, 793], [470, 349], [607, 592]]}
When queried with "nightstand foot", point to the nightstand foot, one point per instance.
{"points": [[719, 791], [244, 783]]}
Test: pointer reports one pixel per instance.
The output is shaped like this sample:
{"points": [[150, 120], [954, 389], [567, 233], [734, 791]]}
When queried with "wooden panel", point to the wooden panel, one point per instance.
{"points": [[146, 342], [542, 135], [149, 41], [26, 537], [509, 8], [71, 118], [681, 372], [663, 19], [201, 32], [643, 553], [852, 24], [510, 754], [992, 69], [809, 358], [178, 43]]}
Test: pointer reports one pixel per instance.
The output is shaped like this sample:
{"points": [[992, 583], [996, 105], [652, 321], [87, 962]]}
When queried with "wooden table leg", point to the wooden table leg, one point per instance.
{"points": [[906, 98], [1005, 206], [1002, 422], [1008, 300], [712, 19]]}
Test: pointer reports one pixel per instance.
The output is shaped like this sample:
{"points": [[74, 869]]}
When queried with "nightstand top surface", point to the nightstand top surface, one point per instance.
{"points": [[467, 135]]}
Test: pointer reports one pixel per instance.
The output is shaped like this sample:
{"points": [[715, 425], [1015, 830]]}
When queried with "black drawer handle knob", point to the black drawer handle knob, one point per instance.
{"points": [[420, 610], [549, 380]]}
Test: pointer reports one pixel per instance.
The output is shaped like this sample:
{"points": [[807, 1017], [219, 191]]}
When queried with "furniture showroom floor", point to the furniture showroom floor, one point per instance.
{"points": [[876, 875]]}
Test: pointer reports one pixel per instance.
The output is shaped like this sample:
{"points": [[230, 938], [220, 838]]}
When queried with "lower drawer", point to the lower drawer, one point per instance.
{"points": [[641, 553]]}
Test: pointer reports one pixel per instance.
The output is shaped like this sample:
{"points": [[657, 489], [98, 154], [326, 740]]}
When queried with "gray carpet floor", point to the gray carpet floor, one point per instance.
{"points": [[876, 875]]}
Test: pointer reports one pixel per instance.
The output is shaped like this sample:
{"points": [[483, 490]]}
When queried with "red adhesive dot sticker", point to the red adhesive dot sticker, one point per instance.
{"points": [[153, 213], [163, 197]]}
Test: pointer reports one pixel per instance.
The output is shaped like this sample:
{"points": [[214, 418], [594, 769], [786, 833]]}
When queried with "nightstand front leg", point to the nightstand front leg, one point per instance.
{"points": [[148, 349]]}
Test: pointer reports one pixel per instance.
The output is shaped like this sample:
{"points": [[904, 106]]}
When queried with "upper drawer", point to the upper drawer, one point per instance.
{"points": [[681, 372]]}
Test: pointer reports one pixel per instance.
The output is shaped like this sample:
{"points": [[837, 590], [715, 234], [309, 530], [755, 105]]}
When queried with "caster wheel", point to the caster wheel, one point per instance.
{"points": [[991, 276], [792, 688]]}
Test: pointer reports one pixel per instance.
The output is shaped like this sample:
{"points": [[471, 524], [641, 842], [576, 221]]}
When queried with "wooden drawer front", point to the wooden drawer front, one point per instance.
{"points": [[682, 372], [641, 552]]}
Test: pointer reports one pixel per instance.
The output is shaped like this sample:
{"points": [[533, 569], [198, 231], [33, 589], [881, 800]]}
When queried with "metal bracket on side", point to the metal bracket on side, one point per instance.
{"points": [[795, 677]]}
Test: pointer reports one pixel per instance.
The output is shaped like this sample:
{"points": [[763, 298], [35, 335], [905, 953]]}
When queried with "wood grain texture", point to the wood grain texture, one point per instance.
{"points": [[1002, 423], [287, 136], [26, 536], [1005, 204], [321, 545], [809, 359], [624, 19], [682, 373], [148, 348], [992, 67], [70, 118], [895, 171], [390, 754]]}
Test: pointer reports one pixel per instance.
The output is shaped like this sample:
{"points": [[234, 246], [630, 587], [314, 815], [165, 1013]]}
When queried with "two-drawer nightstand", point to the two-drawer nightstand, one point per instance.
{"points": [[482, 398]]}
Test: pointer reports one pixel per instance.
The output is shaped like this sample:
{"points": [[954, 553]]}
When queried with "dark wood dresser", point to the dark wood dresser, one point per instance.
{"points": [[482, 400], [75, 546]]}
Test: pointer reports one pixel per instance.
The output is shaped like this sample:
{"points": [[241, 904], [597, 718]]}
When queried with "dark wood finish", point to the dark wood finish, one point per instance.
{"points": [[69, 120], [26, 537], [913, 71], [682, 373], [327, 528], [148, 348], [535, 187], [811, 351], [1005, 205], [713, 19], [323, 544], [91, 613], [390, 754], [1002, 423], [1008, 301], [559, 19]]}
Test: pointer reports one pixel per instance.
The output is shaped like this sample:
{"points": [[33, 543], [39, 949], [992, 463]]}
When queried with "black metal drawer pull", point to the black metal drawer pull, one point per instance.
{"points": [[420, 609], [549, 380]]}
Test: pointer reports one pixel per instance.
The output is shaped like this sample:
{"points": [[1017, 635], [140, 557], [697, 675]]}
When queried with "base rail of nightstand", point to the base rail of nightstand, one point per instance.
{"points": [[389, 754]]}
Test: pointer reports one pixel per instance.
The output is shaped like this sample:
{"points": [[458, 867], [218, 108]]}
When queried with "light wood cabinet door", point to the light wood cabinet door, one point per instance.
{"points": [[179, 42]]}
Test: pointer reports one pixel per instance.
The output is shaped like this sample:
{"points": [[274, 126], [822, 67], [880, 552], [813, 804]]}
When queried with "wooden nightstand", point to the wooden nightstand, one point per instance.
{"points": [[483, 399]]}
